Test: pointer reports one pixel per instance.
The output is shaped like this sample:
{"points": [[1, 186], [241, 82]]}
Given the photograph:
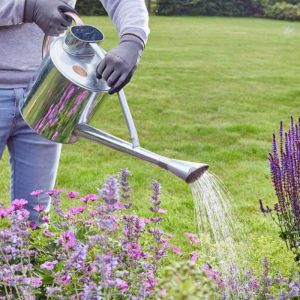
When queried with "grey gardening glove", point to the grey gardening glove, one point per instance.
{"points": [[120, 63], [48, 15]]}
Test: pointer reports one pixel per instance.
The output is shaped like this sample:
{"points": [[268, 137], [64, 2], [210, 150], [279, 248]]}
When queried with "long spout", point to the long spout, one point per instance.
{"points": [[187, 171]]}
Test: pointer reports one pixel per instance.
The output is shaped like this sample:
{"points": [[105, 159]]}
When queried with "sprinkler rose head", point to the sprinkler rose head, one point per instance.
{"points": [[188, 171]]}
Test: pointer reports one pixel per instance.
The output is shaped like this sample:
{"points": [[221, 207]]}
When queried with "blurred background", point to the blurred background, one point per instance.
{"points": [[276, 9]]}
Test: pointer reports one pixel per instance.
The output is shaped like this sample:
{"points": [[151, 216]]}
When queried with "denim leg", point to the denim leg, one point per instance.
{"points": [[34, 162], [7, 113]]}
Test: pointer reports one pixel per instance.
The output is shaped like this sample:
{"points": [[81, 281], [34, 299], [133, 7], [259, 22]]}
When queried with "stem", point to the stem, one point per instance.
{"points": [[17, 290], [6, 291]]}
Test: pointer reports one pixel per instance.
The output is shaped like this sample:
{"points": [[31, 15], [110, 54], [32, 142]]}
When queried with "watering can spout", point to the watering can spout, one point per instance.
{"points": [[188, 171]]}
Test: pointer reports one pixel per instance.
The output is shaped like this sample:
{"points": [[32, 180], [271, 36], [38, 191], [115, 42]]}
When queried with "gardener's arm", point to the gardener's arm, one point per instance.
{"points": [[48, 15], [11, 12], [131, 20]]}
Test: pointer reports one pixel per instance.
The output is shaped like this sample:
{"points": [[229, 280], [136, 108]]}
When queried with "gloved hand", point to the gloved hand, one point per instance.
{"points": [[120, 63], [48, 15]]}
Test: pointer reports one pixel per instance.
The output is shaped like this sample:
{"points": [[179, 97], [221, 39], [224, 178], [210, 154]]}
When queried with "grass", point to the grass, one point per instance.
{"points": [[210, 90]]}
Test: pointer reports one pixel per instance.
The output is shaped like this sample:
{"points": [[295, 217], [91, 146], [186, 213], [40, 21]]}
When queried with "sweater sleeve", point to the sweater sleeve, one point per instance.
{"points": [[129, 17], [11, 12]]}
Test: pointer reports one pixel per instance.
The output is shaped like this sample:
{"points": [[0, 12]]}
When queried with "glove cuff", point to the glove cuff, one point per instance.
{"points": [[131, 37], [29, 11]]}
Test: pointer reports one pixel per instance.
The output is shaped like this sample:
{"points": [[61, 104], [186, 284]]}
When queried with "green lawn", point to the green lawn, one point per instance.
{"points": [[210, 90]]}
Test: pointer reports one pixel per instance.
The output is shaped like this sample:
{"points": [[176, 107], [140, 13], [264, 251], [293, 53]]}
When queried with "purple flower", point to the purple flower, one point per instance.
{"points": [[47, 233], [89, 197], [36, 193], [177, 250], [3, 213], [64, 280], [255, 285], [33, 225], [54, 192], [125, 188], [150, 282], [77, 210], [110, 191], [285, 174], [194, 256], [39, 208], [49, 265], [192, 238], [122, 285], [214, 275], [72, 194], [36, 282], [53, 291], [46, 219], [68, 240], [134, 250], [19, 203], [294, 289]]}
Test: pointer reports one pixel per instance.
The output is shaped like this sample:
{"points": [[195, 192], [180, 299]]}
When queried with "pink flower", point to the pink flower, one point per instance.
{"points": [[10, 209], [194, 256], [68, 215], [162, 211], [48, 233], [46, 219], [68, 240], [255, 285], [77, 210], [84, 199], [93, 213], [39, 208], [119, 205], [122, 285], [150, 282], [134, 250], [49, 265], [192, 238], [3, 213], [92, 197], [89, 197], [54, 192], [65, 279], [176, 250], [213, 274], [19, 203], [36, 193], [36, 282], [33, 225], [72, 194]]}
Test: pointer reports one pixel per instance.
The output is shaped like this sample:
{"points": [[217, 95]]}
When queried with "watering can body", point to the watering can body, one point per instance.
{"points": [[66, 92]]}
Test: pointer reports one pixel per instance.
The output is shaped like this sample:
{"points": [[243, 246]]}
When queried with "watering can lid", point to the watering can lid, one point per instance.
{"points": [[81, 71]]}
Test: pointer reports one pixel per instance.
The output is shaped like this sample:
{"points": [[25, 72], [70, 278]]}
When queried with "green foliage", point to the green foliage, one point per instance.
{"points": [[186, 280], [286, 10], [90, 7], [211, 8], [283, 11], [275, 9]]}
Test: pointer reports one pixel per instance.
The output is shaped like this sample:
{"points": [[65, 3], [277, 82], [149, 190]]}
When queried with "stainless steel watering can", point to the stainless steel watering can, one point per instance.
{"points": [[65, 92]]}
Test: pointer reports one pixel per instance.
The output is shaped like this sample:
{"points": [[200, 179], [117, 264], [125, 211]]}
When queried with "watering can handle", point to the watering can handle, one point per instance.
{"points": [[46, 42]]}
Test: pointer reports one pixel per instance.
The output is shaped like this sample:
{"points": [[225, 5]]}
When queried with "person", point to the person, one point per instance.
{"points": [[23, 23]]}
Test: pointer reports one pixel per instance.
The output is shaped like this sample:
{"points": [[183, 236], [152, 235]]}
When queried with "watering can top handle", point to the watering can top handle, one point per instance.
{"points": [[46, 42]]}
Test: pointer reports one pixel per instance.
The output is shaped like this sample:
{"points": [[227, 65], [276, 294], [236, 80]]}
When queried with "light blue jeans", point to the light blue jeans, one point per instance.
{"points": [[33, 159]]}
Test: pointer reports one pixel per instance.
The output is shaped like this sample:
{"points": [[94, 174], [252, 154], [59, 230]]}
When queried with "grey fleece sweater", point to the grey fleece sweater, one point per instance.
{"points": [[21, 44]]}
